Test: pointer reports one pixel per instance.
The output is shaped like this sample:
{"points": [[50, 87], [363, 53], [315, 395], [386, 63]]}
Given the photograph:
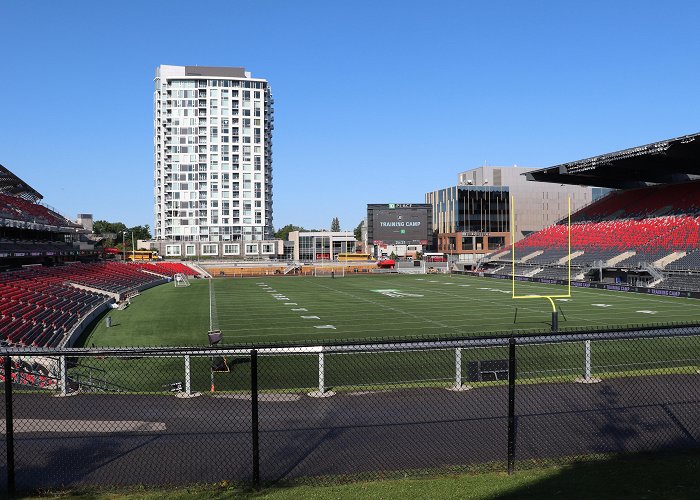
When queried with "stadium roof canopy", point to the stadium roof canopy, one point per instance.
{"points": [[664, 162], [13, 185]]}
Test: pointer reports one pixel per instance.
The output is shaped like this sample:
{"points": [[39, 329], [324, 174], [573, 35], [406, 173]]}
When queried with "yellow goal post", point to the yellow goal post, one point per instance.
{"points": [[568, 259]]}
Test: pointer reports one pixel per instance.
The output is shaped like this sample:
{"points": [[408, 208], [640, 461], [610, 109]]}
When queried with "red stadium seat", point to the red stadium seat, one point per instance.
{"points": [[39, 305]]}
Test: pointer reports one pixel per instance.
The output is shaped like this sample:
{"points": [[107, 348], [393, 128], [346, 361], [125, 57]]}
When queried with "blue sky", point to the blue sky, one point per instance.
{"points": [[375, 102]]}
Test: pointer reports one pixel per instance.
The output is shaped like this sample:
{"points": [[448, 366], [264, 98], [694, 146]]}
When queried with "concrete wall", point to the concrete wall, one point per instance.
{"points": [[90, 317], [80, 328]]}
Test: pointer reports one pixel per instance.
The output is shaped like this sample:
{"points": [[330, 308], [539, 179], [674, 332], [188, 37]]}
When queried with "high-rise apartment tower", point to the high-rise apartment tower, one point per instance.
{"points": [[212, 154]]}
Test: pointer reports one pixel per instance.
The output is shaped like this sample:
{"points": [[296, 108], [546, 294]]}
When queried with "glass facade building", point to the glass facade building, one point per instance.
{"points": [[471, 208], [321, 245], [474, 217]]}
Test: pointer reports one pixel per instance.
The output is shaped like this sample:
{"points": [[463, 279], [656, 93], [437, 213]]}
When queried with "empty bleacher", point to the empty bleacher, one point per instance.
{"points": [[650, 239], [667, 232], [108, 276], [556, 273], [689, 282], [38, 312], [16, 208], [592, 256], [549, 256], [39, 306], [633, 229], [166, 268], [673, 199], [691, 261], [520, 269], [643, 256]]}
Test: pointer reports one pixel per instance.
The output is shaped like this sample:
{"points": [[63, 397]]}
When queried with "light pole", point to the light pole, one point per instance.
{"points": [[124, 246], [133, 248]]}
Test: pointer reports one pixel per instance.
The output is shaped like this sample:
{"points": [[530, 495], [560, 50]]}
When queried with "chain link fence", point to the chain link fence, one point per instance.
{"points": [[271, 413]]}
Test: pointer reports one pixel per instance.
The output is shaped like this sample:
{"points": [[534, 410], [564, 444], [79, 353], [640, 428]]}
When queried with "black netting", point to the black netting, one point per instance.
{"points": [[173, 417]]}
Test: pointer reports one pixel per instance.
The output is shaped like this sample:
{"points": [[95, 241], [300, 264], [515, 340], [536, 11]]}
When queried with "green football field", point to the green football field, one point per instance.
{"points": [[315, 309], [311, 309]]}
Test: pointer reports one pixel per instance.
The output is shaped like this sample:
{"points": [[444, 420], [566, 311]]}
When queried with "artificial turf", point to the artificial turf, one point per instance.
{"points": [[291, 309], [360, 308]]}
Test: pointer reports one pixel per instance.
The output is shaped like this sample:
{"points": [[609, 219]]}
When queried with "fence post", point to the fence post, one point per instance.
{"points": [[187, 393], [511, 404], [321, 373], [322, 392], [458, 373], [254, 416], [188, 376], [458, 368], [587, 372], [9, 427], [63, 373]]}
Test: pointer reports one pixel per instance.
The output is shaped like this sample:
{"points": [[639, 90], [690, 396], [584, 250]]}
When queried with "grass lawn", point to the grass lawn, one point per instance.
{"points": [[309, 309], [645, 476]]}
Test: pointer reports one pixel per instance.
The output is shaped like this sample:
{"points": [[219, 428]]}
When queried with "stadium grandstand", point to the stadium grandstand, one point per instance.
{"points": [[646, 232], [51, 287], [165, 268], [31, 232]]}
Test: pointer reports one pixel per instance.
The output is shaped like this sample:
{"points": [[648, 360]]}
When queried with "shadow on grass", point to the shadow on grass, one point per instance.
{"points": [[643, 475], [659, 475], [667, 475]]}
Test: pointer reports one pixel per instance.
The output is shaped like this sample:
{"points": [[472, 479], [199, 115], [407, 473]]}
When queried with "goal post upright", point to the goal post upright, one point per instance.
{"points": [[568, 234], [555, 314]]}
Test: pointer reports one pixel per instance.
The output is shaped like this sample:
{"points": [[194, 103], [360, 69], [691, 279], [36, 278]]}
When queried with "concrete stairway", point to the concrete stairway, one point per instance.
{"points": [[565, 260], [664, 261], [531, 255], [620, 258], [499, 255]]}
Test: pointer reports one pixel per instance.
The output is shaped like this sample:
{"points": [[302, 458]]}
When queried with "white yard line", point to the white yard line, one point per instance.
{"points": [[453, 320], [383, 306], [636, 298], [519, 305]]}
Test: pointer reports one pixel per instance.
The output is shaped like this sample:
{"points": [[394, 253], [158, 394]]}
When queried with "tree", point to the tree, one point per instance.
{"points": [[104, 227], [111, 231], [114, 233], [335, 224], [283, 234], [140, 232], [358, 231]]}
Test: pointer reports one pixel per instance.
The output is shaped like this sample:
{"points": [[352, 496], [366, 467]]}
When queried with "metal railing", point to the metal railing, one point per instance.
{"points": [[268, 413]]}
